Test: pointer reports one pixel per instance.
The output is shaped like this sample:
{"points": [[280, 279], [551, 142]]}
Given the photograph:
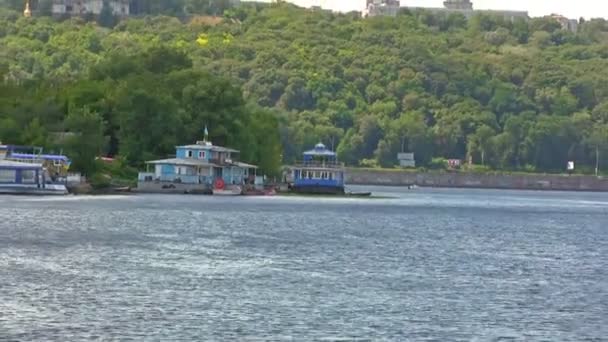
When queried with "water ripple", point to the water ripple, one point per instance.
{"points": [[426, 265]]}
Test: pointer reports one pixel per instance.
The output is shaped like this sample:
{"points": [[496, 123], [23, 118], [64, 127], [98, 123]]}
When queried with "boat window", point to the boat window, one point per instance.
{"points": [[317, 174], [201, 154], [189, 154], [7, 176], [28, 176], [310, 174], [331, 176]]}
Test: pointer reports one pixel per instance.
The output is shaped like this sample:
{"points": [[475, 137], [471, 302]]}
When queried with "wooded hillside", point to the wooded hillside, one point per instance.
{"points": [[513, 96]]}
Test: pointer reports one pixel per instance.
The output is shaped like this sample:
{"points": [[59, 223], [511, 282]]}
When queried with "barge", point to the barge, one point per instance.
{"points": [[200, 168], [320, 172], [24, 170]]}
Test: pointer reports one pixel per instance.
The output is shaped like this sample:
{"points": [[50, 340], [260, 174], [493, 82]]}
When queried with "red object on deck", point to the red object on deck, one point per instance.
{"points": [[219, 184], [106, 159]]}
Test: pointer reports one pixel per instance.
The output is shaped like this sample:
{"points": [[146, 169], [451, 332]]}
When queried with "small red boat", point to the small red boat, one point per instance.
{"points": [[259, 192]]}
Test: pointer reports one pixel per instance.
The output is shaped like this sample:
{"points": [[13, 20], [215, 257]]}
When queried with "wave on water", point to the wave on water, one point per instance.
{"points": [[69, 198]]}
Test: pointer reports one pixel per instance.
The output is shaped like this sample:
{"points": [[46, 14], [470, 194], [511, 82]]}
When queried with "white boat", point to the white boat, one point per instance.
{"points": [[18, 178], [47, 190], [232, 191]]}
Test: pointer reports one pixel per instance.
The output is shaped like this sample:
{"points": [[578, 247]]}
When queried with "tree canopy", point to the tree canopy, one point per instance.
{"points": [[276, 79]]}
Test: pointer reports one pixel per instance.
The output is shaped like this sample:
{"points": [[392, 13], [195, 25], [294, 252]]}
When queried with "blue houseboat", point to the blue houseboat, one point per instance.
{"points": [[27, 179], [25, 170], [318, 173], [201, 167]]}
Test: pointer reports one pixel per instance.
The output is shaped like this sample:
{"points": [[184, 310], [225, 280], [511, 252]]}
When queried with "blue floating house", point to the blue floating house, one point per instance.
{"points": [[56, 165], [320, 172], [27, 179], [198, 167], [25, 170]]}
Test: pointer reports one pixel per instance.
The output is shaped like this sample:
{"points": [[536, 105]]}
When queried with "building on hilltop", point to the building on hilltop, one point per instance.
{"points": [[84, 7], [465, 5], [382, 7], [566, 23], [27, 12]]}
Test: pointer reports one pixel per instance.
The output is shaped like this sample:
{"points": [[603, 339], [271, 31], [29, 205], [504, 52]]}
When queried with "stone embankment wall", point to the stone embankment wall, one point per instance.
{"points": [[175, 188], [476, 180]]}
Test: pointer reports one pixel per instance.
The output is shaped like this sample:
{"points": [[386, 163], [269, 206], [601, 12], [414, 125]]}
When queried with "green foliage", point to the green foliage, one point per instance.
{"points": [[106, 17], [438, 164], [509, 95], [86, 141], [100, 181]]}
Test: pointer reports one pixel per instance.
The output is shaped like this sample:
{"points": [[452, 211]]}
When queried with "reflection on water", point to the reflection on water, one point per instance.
{"points": [[422, 265]]}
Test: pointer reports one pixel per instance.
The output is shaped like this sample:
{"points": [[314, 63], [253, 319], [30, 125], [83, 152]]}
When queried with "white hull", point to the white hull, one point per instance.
{"points": [[228, 192], [21, 189]]}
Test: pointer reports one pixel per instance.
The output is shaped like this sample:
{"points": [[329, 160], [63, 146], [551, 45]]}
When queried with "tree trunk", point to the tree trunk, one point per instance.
{"points": [[597, 160]]}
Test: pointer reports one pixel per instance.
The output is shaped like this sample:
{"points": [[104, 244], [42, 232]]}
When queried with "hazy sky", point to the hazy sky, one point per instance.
{"points": [[569, 8]]}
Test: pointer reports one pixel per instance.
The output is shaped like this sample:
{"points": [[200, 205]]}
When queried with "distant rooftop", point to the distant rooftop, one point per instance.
{"points": [[18, 165], [207, 145], [320, 150]]}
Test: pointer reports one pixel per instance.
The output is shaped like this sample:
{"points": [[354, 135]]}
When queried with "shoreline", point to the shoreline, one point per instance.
{"points": [[472, 180], [422, 179]]}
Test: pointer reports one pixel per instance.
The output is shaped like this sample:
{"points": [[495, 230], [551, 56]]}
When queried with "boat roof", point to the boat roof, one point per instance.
{"points": [[199, 162], [9, 164], [181, 161], [245, 165], [20, 147], [209, 147], [43, 156], [320, 150]]}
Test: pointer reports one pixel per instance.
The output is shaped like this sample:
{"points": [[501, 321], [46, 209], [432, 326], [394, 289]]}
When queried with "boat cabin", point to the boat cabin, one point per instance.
{"points": [[16, 173], [55, 165], [201, 164], [27, 179], [319, 172]]}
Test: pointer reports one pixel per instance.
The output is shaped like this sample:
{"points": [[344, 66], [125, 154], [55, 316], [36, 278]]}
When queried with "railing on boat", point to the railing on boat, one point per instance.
{"points": [[38, 160], [147, 177], [317, 164]]}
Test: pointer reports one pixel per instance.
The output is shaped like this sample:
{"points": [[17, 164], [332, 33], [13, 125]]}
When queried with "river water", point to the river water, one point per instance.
{"points": [[427, 265]]}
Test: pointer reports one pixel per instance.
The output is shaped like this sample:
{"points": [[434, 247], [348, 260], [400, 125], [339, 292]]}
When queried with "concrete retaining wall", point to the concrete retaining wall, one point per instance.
{"points": [[169, 188], [473, 180]]}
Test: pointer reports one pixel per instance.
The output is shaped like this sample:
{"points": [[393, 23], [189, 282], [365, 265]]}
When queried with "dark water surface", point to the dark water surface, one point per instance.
{"points": [[431, 265]]}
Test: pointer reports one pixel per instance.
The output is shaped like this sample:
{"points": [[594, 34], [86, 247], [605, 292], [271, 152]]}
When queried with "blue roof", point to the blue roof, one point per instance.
{"points": [[320, 150], [12, 165], [53, 157]]}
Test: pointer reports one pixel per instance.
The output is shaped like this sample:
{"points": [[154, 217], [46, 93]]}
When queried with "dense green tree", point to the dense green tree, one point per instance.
{"points": [[510, 95], [86, 141], [147, 121], [597, 141], [106, 16], [480, 144]]}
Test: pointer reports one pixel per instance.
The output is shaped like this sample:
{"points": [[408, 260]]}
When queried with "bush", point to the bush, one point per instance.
{"points": [[529, 168], [478, 168], [438, 164], [369, 163], [100, 181]]}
